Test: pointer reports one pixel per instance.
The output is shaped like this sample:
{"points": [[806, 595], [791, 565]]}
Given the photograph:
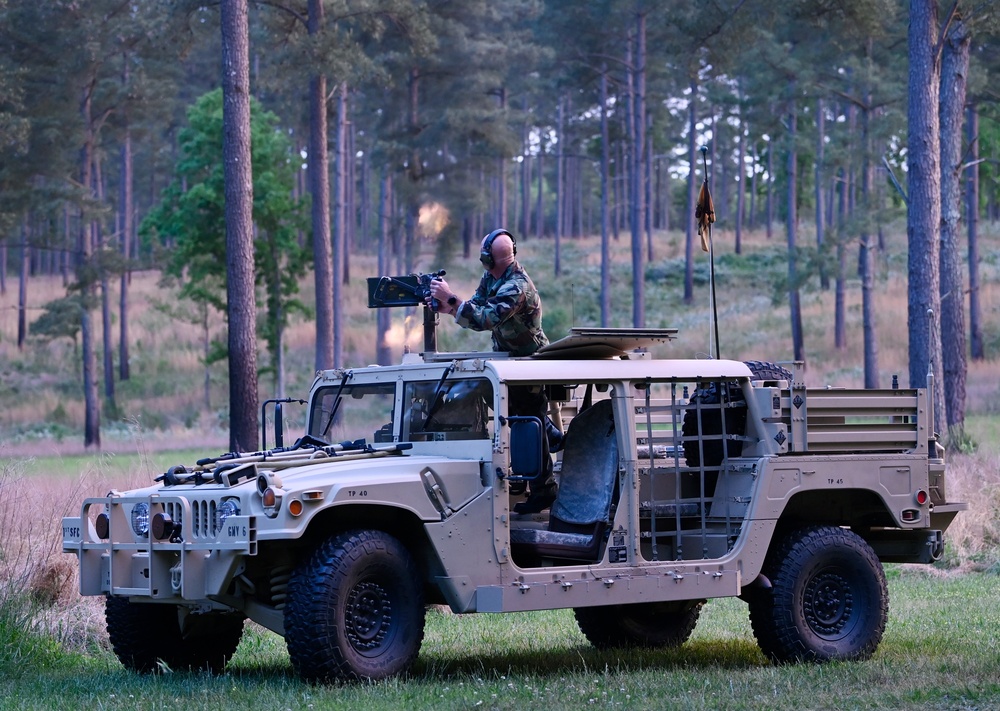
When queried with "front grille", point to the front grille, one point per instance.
{"points": [[202, 517]]}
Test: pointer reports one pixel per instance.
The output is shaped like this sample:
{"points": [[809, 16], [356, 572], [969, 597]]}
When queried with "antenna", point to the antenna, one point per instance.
{"points": [[706, 212]]}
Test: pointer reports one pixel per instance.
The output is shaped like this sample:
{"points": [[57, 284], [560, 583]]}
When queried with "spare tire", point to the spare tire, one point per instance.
{"points": [[709, 424]]}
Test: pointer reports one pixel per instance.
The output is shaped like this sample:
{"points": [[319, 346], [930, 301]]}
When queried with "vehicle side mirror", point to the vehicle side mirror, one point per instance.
{"points": [[525, 448]]}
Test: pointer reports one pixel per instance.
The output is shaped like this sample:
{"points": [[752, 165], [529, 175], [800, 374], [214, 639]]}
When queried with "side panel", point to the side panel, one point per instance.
{"points": [[893, 480]]}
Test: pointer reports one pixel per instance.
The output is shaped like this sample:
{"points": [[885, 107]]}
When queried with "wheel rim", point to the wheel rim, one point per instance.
{"points": [[369, 618], [829, 603]]}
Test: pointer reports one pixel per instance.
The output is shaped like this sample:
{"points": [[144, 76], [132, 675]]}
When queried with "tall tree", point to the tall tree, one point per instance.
{"points": [[319, 187], [976, 350], [240, 297], [923, 212], [866, 256], [638, 171], [954, 80]]}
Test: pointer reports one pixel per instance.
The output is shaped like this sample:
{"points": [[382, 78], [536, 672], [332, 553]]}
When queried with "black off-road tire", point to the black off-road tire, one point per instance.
{"points": [[828, 600], [711, 420], [355, 609], [648, 624], [763, 371], [147, 638]]}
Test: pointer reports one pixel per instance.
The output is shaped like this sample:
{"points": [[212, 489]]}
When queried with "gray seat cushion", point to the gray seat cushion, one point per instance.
{"points": [[580, 512], [589, 467]]}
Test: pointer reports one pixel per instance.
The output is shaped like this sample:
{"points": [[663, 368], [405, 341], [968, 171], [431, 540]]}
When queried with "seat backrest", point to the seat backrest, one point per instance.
{"points": [[589, 467]]}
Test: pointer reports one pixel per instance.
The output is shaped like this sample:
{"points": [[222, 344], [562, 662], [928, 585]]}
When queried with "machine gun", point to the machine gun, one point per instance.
{"points": [[410, 290]]}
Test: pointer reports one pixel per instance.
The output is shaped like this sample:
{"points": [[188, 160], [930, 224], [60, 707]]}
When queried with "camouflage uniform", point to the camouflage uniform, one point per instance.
{"points": [[510, 308]]}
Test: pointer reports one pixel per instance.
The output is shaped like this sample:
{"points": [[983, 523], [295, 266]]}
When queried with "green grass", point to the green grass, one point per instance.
{"points": [[940, 651], [111, 466]]}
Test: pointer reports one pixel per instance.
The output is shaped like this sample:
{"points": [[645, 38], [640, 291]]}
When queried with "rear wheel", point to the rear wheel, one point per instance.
{"points": [[648, 624], [355, 609], [828, 599], [151, 637]]}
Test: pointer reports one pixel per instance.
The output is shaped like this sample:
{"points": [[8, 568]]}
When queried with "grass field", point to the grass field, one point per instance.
{"points": [[941, 648], [940, 651]]}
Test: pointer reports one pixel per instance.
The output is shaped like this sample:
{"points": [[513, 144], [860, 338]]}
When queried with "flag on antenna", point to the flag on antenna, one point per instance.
{"points": [[705, 215]]}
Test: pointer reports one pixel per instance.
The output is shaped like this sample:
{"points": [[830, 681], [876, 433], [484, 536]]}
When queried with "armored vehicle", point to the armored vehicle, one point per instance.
{"points": [[679, 481]]}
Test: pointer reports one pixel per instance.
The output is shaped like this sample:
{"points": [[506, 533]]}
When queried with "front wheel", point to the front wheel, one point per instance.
{"points": [[355, 609], [828, 600], [151, 637], [647, 624]]}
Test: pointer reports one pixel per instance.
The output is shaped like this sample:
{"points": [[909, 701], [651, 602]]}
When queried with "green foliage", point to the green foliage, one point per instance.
{"points": [[190, 218], [24, 649], [60, 319]]}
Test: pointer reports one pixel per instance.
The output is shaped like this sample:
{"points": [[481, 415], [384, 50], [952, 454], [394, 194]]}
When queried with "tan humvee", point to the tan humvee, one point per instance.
{"points": [[678, 481]]}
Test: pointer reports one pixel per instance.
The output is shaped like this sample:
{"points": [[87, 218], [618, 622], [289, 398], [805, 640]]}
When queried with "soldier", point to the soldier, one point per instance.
{"points": [[507, 304]]}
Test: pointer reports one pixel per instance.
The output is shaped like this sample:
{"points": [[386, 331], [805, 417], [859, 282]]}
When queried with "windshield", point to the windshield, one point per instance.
{"points": [[364, 412], [433, 410]]}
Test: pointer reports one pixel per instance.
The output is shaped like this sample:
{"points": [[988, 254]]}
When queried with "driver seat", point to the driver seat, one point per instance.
{"points": [[587, 489]]}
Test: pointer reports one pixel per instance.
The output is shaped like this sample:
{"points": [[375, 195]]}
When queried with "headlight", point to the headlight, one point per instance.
{"points": [[229, 507], [140, 519]]}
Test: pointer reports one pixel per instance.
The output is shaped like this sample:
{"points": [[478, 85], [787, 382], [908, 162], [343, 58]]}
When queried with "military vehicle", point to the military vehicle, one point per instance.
{"points": [[679, 481]]}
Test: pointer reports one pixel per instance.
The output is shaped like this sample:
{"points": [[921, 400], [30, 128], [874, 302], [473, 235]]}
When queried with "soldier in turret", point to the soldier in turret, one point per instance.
{"points": [[507, 304]]}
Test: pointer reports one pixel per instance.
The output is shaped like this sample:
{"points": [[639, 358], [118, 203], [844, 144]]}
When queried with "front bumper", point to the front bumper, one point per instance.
{"points": [[197, 563]]}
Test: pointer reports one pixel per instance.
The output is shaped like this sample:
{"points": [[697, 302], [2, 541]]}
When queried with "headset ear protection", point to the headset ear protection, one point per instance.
{"points": [[486, 254]]}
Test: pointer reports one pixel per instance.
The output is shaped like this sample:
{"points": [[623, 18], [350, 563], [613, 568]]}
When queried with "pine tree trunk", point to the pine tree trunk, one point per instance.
{"points": [[923, 213], [954, 74], [819, 178], [539, 210], [319, 187], [525, 174], [741, 183], [605, 213], [866, 258], [752, 207], [339, 226], [502, 171], [22, 285], [560, 195], [769, 207], [364, 190], [383, 351], [720, 172], [241, 306], [347, 175], [840, 288], [638, 151], [792, 219], [415, 171], [127, 212], [647, 212], [692, 198], [106, 329], [206, 345], [977, 350], [84, 265]]}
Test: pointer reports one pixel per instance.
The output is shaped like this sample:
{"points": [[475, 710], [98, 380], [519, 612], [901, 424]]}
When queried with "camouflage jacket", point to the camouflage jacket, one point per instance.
{"points": [[509, 307]]}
